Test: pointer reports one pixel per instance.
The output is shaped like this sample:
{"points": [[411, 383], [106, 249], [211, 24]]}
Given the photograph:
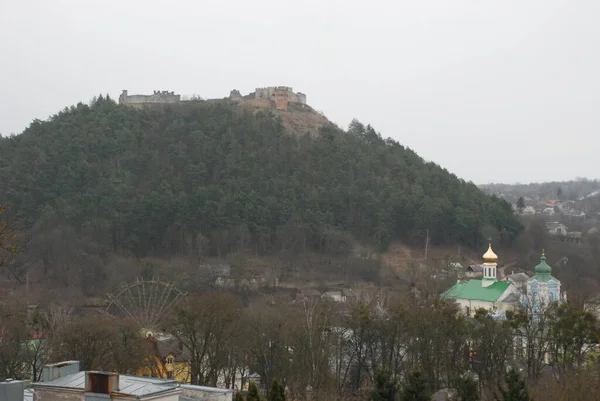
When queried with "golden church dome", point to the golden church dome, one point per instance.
{"points": [[490, 256]]}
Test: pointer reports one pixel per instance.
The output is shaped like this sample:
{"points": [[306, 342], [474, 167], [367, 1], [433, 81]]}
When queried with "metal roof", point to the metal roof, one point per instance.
{"points": [[74, 381], [475, 268], [518, 277], [61, 364], [206, 389], [128, 385], [474, 290]]}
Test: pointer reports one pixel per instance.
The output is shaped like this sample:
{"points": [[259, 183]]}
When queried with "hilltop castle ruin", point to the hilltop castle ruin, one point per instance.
{"points": [[158, 97], [280, 97]]}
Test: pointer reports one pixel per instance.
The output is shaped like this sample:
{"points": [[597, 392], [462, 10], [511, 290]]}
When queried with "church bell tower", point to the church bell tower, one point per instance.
{"points": [[490, 263]]}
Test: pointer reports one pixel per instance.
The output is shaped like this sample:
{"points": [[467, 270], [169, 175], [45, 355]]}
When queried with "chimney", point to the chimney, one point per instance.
{"points": [[101, 382], [12, 390], [60, 369]]}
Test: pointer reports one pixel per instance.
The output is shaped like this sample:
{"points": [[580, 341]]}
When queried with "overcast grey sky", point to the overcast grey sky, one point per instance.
{"points": [[493, 90]]}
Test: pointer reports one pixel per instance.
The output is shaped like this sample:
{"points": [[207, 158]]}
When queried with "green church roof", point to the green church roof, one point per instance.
{"points": [[473, 290], [543, 271], [544, 278], [543, 267]]}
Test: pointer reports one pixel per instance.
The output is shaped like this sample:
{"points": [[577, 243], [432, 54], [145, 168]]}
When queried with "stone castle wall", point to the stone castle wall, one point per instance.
{"points": [[156, 97], [282, 96]]}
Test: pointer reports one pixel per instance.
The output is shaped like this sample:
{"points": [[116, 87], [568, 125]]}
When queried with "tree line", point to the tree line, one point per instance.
{"points": [[379, 344]]}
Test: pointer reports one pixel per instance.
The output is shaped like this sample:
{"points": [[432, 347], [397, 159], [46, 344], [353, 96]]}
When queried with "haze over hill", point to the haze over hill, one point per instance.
{"points": [[508, 88]]}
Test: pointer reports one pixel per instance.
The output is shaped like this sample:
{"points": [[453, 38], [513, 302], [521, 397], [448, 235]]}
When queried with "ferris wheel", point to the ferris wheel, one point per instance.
{"points": [[147, 302]]}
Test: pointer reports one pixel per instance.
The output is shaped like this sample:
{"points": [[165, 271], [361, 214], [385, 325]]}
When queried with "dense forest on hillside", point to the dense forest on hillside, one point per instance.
{"points": [[214, 179]]}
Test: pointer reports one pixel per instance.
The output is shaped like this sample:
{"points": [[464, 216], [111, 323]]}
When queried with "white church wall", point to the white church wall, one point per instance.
{"points": [[468, 307]]}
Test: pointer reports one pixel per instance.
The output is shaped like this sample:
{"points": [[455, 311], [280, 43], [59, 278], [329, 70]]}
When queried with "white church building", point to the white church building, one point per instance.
{"points": [[499, 296]]}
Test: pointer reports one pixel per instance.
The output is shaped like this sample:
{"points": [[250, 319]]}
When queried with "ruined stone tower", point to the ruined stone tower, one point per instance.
{"points": [[282, 96], [282, 99], [235, 95]]}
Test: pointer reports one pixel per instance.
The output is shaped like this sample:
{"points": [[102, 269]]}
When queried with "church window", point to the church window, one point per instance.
{"points": [[170, 360]]}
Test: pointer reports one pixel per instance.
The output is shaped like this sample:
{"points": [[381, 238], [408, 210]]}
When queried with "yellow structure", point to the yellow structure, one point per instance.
{"points": [[167, 359], [166, 368]]}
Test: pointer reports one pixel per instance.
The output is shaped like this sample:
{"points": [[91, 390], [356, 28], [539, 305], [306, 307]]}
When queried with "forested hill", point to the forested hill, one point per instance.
{"points": [[214, 178]]}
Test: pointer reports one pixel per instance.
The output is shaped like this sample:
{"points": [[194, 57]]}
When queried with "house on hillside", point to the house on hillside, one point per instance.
{"points": [[528, 210], [474, 271], [455, 267], [557, 229], [576, 214], [219, 274], [519, 280], [338, 295], [574, 236], [308, 294]]}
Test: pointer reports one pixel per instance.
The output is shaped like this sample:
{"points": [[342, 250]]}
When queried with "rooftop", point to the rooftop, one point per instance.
{"points": [[135, 386], [475, 268], [517, 277], [474, 290]]}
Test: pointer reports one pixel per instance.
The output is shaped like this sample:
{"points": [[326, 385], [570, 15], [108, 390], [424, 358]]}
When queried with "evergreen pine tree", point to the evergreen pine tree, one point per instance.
{"points": [[282, 391], [252, 392], [277, 392], [520, 204], [515, 388], [415, 388], [466, 389], [385, 387]]}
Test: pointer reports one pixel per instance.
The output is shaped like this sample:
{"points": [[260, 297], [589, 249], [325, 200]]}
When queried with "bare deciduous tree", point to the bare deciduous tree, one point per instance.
{"points": [[206, 326]]}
